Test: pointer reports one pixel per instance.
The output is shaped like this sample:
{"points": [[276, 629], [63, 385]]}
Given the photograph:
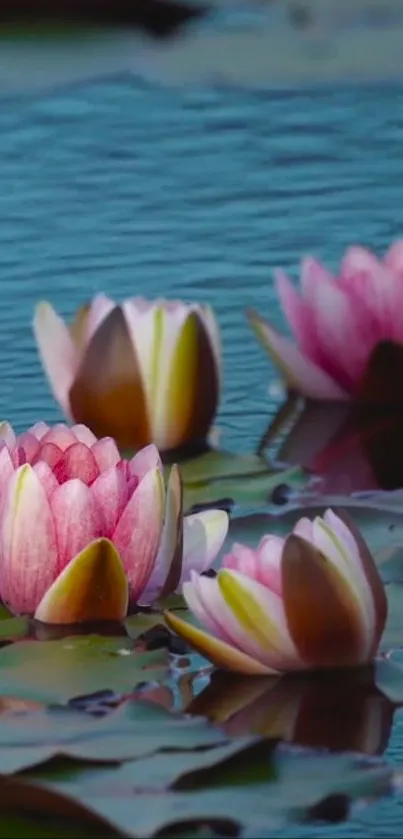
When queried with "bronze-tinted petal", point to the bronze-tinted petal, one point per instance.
{"points": [[321, 612], [174, 525], [193, 387], [372, 574], [107, 393], [78, 327]]}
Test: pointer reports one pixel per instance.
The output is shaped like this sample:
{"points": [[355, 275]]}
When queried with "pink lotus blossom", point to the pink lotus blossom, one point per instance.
{"points": [[337, 322], [83, 534], [314, 600]]}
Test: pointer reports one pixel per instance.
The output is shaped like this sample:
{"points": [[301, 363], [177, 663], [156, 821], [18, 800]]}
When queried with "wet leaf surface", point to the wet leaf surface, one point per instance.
{"points": [[244, 479], [276, 785], [55, 671], [133, 730]]}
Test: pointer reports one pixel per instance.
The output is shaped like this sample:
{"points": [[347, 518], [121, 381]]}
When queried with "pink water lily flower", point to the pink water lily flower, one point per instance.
{"points": [[337, 322], [314, 600], [85, 534], [142, 372]]}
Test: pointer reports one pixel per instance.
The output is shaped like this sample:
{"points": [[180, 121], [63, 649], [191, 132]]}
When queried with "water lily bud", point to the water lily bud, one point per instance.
{"points": [[314, 600], [143, 372]]}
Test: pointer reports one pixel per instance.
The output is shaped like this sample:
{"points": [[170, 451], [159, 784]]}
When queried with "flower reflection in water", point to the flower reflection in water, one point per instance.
{"points": [[341, 711], [351, 449]]}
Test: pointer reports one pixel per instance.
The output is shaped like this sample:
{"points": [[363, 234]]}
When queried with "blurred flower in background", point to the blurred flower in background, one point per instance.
{"points": [[84, 534], [348, 329], [141, 372], [314, 600]]}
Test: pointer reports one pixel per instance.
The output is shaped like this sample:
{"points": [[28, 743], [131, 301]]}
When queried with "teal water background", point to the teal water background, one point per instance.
{"points": [[130, 189]]}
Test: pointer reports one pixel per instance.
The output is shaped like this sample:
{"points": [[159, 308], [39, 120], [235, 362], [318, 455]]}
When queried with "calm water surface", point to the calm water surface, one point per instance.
{"points": [[130, 189]]}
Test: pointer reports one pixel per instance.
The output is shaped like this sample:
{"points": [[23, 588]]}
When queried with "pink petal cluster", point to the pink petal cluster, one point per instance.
{"points": [[61, 490], [313, 600], [336, 321]]}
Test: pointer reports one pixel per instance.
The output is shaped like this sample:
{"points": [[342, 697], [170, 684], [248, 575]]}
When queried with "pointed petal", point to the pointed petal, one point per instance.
{"points": [[321, 613], [30, 445], [261, 615], [78, 328], [100, 307], [77, 462], [107, 393], [28, 563], [297, 312], [304, 528], [111, 491], [219, 653], [154, 328], [61, 435], [39, 430], [187, 405], [77, 519], [146, 459], [58, 354], [6, 467], [106, 453], [45, 475], [204, 600], [83, 434], [138, 533], [48, 453], [210, 322], [393, 258], [168, 564], [358, 260], [270, 552], [205, 596], [312, 273], [372, 574], [203, 537], [92, 587], [345, 558], [300, 374], [7, 434]]}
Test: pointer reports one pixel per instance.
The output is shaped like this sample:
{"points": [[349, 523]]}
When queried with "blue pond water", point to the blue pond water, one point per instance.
{"points": [[130, 189]]}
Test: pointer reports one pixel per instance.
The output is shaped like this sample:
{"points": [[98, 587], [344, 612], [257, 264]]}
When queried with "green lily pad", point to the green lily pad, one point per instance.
{"points": [[245, 479], [221, 791], [4, 613], [13, 628], [17, 827], [55, 671], [131, 731], [217, 465], [140, 623]]}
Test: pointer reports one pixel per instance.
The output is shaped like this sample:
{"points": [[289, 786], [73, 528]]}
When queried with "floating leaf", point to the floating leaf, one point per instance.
{"points": [[54, 671], [131, 731], [294, 782], [13, 628], [251, 490]]}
